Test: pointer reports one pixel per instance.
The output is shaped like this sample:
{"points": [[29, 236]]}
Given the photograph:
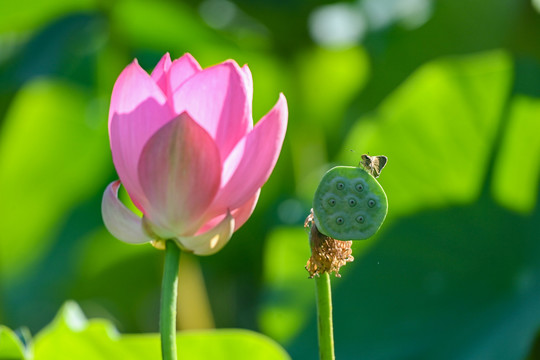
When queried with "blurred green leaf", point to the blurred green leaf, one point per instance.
{"points": [[329, 80], [517, 170], [288, 293], [453, 275], [53, 154], [487, 25], [341, 73], [72, 336], [427, 291], [438, 130], [65, 48], [11, 347], [27, 14], [96, 261], [166, 25]]}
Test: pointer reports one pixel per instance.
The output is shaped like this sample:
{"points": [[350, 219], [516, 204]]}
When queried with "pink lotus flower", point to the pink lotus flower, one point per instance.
{"points": [[185, 149]]}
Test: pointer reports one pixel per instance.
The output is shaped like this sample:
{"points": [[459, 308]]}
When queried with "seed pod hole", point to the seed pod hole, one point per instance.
{"points": [[340, 186], [359, 187], [371, 203], [332, 202], [352, 202], [340, 220], [360, 219]]}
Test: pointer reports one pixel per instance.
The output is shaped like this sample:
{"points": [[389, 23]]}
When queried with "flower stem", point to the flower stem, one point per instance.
{"points": [[167, 319], [324, 317]]}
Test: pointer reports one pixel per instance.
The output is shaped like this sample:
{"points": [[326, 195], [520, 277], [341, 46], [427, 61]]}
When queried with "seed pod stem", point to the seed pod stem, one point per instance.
{"points": [[324, 317]]}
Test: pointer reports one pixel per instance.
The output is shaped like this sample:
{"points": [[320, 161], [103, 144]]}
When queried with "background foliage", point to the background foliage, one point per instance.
{"points": [[448, 90]]}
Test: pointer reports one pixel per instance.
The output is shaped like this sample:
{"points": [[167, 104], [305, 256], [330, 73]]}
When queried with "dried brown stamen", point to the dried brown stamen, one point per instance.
{"points": [[327, 254]]}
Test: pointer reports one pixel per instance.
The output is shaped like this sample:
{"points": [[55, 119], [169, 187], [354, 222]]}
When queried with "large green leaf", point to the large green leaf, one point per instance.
{"points": [[53, 154], [438, 130], [28, 14], [287, 293], [167, 25], [453, 274], [485, 25], [11, 346], [328, 80], [72, 336], [517, 173]]}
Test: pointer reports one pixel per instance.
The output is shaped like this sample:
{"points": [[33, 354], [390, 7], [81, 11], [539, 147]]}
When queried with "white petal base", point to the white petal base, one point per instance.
{"points": [[119, 220], [212, 241]]}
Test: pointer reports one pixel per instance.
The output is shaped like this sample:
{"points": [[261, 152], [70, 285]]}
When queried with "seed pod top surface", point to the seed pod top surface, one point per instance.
{"points": [[349, 204]]}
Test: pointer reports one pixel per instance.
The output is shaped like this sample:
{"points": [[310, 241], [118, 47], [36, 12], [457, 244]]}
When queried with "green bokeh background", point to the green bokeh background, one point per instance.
{"points": [[449, 90]]}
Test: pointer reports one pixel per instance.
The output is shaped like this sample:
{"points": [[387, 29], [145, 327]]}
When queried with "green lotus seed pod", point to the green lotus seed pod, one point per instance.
{"points": [[349, 204]]}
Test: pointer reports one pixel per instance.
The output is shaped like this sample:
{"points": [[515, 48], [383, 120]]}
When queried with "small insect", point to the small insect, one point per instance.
{"points": [[374, 164]]}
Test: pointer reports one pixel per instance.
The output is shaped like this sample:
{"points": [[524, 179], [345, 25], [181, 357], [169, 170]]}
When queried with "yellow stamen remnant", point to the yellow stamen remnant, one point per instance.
{"points": [[327, 254], [158, 244], [214, 241]]}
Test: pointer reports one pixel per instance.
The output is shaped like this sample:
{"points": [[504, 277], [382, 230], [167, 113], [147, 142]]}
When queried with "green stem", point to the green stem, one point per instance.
{"points": [[324, 317], [167, 318]]}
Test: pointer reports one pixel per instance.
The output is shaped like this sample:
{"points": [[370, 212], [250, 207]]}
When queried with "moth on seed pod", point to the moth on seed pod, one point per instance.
{"points": [[374, 164], [349, 204]]}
